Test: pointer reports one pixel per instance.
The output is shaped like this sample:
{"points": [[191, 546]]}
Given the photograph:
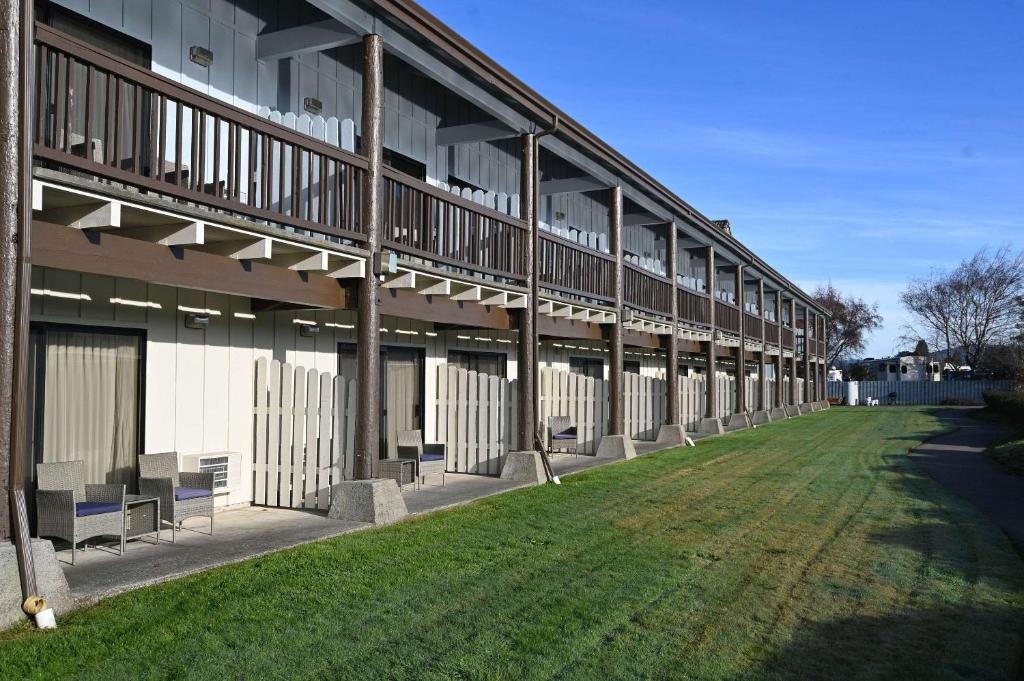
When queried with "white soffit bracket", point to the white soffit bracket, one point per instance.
{"points": [[72, 207]]}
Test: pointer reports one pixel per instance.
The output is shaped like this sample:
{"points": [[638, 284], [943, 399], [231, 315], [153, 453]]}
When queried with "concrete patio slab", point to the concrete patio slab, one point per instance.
{"points": [[238, 535], [245, 533]]}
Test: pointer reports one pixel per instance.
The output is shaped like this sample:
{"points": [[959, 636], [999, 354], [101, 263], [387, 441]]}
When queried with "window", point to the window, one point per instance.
{"points": [[405, 164], [881, 368], [592, 367], [892, 368], [632, 366], [903, 369], [490, 363]]}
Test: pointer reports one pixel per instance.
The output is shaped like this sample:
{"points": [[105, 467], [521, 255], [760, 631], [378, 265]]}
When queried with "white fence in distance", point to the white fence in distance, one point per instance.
{"points": [[477, 419], [304, 434], [918, 392], [583, 399]]}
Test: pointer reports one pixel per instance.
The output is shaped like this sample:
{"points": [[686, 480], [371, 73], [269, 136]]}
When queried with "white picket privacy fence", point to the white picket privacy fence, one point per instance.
{"points": [[920, 392], [644, 405], [583, 399], [477, 419], [304, 435]]}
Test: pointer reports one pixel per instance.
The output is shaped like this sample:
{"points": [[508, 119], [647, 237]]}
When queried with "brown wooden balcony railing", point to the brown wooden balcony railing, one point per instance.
{"points": [[751, 326], [646, 291], [438, 226], [771, 332], [727, 317], [106, 117], [787, 337], [694, 307], [574, 269]]}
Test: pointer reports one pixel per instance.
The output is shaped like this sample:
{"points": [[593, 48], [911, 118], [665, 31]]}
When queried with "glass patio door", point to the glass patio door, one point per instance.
{"points": [[86, 401]]}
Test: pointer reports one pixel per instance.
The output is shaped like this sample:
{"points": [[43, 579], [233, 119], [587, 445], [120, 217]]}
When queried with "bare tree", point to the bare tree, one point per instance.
{"points": [[971, 308], [850, 320]]}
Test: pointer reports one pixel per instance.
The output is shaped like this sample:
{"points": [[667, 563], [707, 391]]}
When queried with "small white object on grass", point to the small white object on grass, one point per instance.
{"points": [[689, 442], [555, 480]]}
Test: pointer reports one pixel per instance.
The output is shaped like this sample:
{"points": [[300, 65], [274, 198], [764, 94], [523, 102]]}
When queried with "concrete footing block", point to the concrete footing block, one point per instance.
{"points": [[760, 417], [793, 410], [616, 447], [737, 422], [49, 580], [374, 501], [672, 435], [825, 405], [710, 426], [779, 414], [807, 407], [526, 466]]}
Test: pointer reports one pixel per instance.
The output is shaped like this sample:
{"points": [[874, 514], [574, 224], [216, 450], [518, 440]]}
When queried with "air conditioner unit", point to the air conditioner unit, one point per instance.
{"points": [[225, 466]]}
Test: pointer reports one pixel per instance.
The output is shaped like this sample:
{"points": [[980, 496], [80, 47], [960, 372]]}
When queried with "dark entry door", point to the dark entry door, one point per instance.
{"points": [[401, 390]]}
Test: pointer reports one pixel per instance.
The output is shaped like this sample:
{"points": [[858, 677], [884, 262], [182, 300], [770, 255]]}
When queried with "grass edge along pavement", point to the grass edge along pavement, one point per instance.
{"points": [[811, 548]]}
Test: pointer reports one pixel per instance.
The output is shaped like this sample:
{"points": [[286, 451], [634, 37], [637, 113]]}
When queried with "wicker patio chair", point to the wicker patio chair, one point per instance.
{"points": [[561, 434], [69, 509], [182, 495], [429, 458]]}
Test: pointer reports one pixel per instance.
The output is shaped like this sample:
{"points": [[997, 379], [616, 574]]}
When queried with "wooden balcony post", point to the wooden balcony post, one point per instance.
{"points": [[615, 382], [672, 351], [367, 439], [671, 432], [741, 353], [809, 322], [711, 423], [762, 398], [780, 395], [793, 361], [16, 58], [526, 358], [617, 442]]}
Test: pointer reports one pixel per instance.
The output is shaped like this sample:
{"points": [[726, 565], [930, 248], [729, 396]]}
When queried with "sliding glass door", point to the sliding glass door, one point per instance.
{"points": [[86, 401]]}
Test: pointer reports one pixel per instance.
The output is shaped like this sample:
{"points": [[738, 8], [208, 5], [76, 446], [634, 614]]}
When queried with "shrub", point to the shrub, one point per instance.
{"points": [[1006, 403]]}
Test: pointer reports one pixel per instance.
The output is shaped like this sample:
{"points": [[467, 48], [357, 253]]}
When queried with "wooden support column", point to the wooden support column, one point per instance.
{"points": [[367, 437], [793, 362], [741, 370], [780, 395], [711, 355], [762, 383], [672, 351], [526, 358], [808, 335], [615, 352], [823, 393], [16, 59]]}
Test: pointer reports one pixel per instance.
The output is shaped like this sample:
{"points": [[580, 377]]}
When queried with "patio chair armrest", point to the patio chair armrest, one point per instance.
{"points": [[196, 480], [113, 494], [56, 504], [434, 448]]}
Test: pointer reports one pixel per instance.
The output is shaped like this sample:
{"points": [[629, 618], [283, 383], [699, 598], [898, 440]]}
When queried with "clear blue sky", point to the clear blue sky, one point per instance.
{"points": [[863, 142]]}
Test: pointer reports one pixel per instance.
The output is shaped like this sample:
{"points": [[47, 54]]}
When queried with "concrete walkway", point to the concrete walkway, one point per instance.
{"points": [[957, 461], [244, 533]]}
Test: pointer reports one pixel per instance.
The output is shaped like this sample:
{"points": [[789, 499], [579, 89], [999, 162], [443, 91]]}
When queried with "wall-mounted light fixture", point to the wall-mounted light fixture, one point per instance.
{"points": [[200, 55], [194, 320], [386, 263], [312, 105]]}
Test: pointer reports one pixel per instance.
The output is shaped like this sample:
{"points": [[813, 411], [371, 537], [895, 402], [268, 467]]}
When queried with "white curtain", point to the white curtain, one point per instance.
{"points": [[403, 395], [91, 403]]}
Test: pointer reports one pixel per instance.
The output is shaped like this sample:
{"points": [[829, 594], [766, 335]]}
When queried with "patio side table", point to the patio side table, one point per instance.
{"points": [[141, 516], [402, 471]]}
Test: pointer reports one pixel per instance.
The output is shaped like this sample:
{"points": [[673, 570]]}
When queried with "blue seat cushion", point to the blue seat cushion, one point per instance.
{"points": [[432, 457], [183, 493], [84, 508], [567, 434]]}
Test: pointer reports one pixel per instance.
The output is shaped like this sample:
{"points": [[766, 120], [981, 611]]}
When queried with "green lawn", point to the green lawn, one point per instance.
{"points": [[809, 549]]}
